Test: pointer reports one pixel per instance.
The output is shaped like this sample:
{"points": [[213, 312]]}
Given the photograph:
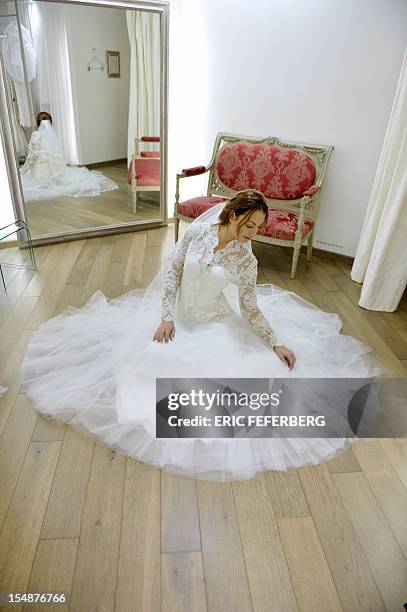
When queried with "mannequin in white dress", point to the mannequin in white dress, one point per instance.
{"points": [[96, 367], [45, 163], [45, 174]]}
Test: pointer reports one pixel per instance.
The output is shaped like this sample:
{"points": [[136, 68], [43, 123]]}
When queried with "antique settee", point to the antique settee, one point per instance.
{"points": [[289, 174]]}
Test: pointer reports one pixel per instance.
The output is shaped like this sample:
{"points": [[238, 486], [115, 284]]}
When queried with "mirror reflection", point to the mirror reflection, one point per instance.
{"points": [[85, 100]]}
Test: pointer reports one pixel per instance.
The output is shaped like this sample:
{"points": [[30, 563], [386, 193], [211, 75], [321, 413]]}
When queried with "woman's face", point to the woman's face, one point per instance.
{"points": [[249, 227]]}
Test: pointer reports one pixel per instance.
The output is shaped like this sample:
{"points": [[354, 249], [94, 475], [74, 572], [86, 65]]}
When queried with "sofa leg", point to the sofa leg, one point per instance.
{"points": [[134, 202], [294, 264], [309, 246], [176, 229]]}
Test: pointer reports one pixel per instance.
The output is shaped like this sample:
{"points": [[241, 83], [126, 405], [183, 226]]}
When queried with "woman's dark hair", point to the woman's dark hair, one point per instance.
{"points": [[43, 116], [243, 204]]}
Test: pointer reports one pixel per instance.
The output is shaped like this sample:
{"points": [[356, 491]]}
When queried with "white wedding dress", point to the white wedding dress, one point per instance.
{"points": [[45, 174], [95, 367]]}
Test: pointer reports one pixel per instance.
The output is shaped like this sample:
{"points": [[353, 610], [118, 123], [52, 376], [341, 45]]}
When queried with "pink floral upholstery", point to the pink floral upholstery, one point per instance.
{"points": [[147, 172], [283, 224], [150, 153], [279, 173], [196, 206]]}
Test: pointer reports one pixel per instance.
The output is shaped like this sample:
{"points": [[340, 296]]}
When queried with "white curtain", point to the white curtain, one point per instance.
{"points": [[144, 103], [48, 26], [381, 257], [13, 63]]}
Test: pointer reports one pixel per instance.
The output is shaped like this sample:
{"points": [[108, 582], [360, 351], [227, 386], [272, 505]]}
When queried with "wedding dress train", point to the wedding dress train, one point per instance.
{"points": [[95, 367]]}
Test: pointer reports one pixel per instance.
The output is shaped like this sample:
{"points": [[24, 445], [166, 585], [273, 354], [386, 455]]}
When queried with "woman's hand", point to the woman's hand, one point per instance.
{"points": [[165, 332], [285, 355]]}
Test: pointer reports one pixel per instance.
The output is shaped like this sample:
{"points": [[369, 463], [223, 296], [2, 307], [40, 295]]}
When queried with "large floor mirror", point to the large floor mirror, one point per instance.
{"points": [[84, 114]]}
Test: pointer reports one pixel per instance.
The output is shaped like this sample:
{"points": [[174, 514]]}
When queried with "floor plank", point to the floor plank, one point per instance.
{"points": [[179, 515], [222, 551], [347, 562], [94, 583], [52, 570], [266, 564], [139, 567], [183, 584], [20, 533], [384, 555], [386, 485], [312, 580]]}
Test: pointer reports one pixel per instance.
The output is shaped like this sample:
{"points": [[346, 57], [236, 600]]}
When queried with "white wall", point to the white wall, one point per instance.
{"points": [[317, 71], [101, 103]]}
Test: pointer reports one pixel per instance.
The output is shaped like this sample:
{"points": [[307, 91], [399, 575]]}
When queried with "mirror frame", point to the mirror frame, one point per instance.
{"points": [[155, 6]]}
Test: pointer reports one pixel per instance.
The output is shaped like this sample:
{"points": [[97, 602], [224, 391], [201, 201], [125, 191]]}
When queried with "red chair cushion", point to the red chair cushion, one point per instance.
{"points": [[279, 173], [150, 153], [283, 224], [147, 172], [196, 206]]}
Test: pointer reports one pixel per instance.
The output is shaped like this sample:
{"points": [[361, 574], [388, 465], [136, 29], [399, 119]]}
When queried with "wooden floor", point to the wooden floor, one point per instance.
{"points": [[118, 535], [67, 213]]}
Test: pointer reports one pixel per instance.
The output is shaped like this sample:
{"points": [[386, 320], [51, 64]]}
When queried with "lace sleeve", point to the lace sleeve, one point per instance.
{"points": [[248, 301], [173, 274]]}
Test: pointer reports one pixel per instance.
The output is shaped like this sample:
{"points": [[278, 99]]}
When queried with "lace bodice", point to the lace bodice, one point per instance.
{"points": [[201, 275]]}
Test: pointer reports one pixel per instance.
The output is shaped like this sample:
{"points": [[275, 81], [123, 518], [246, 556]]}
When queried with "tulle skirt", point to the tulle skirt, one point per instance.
{"points": [[44, 184], [95, 368]]}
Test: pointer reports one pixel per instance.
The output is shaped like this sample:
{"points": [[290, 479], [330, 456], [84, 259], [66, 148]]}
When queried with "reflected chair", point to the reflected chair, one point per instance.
{"points": [[289, 174], [144, 169]]}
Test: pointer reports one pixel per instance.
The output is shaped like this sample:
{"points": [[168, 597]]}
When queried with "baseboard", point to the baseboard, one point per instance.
{"points": [[315, 250], [122, 160]]}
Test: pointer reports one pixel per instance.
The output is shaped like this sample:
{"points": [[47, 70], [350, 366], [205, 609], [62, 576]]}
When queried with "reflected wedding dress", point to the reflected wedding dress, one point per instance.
{"points": [[95, 367], [45, 174]]}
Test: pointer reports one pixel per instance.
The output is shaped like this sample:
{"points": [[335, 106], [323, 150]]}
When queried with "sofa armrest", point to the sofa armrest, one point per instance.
{"points": [[185, 173], [194, 171]]}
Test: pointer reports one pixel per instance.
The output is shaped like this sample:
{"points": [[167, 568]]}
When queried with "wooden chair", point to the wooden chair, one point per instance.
{"points": [[144, 169], [289, 174]]}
